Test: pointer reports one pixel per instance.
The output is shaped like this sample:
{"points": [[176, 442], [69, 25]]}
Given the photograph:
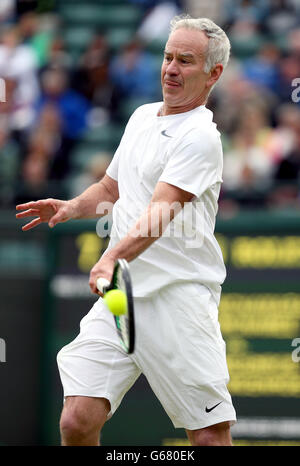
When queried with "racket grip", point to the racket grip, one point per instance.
{"points": [[102, 283]]}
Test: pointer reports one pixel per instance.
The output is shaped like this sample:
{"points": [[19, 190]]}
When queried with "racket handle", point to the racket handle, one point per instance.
{"points": [[102, 283]]}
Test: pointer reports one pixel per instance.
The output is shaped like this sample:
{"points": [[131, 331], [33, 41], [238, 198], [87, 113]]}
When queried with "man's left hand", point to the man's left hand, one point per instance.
{"points": [[104, 268]]}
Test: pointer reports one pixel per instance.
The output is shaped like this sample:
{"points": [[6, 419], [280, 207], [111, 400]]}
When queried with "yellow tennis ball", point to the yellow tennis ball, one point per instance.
{"points": [[116, 302]]}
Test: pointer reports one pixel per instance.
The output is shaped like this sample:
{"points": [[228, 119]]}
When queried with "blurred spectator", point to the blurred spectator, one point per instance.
{"points": [[289, 167], [7, 10], [72, 110], [232, 94], [9, 164], [71, 106], [43, 160], [35, 184], [37, 33], [156, 24], [244, 24], [134, 74], [7, 107], [23, 6], [248, 167], [18, 64], [58, 57], [282, 17], [91, 78], [245, 14], [133, 71], [46, 139], [289, 69], [294, 40], [263, 69], [36, 164], [284, 136], [286, 192]]}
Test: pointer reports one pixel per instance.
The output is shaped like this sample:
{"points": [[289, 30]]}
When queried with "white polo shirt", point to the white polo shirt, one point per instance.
{"points": [[183, 150]]}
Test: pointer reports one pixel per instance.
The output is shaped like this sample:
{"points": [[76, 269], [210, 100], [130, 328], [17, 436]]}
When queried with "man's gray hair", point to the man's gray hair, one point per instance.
{"points": [[218, 49]]}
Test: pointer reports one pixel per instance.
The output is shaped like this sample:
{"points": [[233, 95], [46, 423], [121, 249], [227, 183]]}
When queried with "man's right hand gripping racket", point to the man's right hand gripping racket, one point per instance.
{"points": [[119, 300]]}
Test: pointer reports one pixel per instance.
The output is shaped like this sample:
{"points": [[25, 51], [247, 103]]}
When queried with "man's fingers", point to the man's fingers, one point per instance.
{"points": [[94, 288], [46, 210], [28, 205], [36, 205], [24, 206], [28, 213], [57, 218], [32, 224]]}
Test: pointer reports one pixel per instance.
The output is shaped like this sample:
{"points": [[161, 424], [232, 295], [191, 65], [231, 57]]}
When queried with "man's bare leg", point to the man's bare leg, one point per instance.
{"points": [[82, 419], [215, 435]]}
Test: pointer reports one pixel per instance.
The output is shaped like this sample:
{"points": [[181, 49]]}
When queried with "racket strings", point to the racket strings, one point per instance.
{"points": [[124, 321], [124, 330]]}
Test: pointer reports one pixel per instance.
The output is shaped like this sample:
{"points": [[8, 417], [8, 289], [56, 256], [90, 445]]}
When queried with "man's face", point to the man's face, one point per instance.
{"points": [[184, 83]]}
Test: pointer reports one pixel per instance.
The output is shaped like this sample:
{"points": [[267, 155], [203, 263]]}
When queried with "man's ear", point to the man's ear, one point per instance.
{"points": [[214, 74]]}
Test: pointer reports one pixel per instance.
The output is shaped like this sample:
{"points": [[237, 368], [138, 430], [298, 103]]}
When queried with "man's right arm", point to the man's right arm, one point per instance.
{"points": [[85, 205], [54, 211]]}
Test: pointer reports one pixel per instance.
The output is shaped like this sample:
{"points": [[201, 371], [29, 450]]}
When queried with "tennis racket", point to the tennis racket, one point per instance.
{"points": [[121, 280]]}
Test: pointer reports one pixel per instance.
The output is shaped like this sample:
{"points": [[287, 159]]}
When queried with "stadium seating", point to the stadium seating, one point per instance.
{"points": [[99, 15], [77, 39]]}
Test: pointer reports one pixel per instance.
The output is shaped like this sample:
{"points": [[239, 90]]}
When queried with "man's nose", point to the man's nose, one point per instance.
{"points": [[172, 68]]}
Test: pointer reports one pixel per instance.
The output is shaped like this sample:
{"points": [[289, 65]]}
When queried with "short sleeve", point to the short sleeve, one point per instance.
{"points": [[113, 168], [195, 164]]}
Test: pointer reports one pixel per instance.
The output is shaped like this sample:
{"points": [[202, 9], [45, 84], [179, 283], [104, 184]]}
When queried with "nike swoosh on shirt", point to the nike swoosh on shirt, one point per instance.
{"points": [[165, 134], [208, 410]]}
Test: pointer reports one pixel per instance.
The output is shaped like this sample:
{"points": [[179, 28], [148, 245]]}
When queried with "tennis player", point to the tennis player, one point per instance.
{"points": [[170, 155]]}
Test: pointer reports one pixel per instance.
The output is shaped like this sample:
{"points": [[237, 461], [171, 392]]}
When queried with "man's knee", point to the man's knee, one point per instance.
{"points": [[82, 416], [215, 435], [74, 424], [73, 427]]}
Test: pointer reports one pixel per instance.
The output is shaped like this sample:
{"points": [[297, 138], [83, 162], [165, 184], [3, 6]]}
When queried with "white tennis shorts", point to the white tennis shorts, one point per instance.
{"points": [[179, 349]]}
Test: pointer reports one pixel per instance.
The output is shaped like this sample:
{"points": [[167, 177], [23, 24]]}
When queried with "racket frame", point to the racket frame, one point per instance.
{"points": [[122, 265]]}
